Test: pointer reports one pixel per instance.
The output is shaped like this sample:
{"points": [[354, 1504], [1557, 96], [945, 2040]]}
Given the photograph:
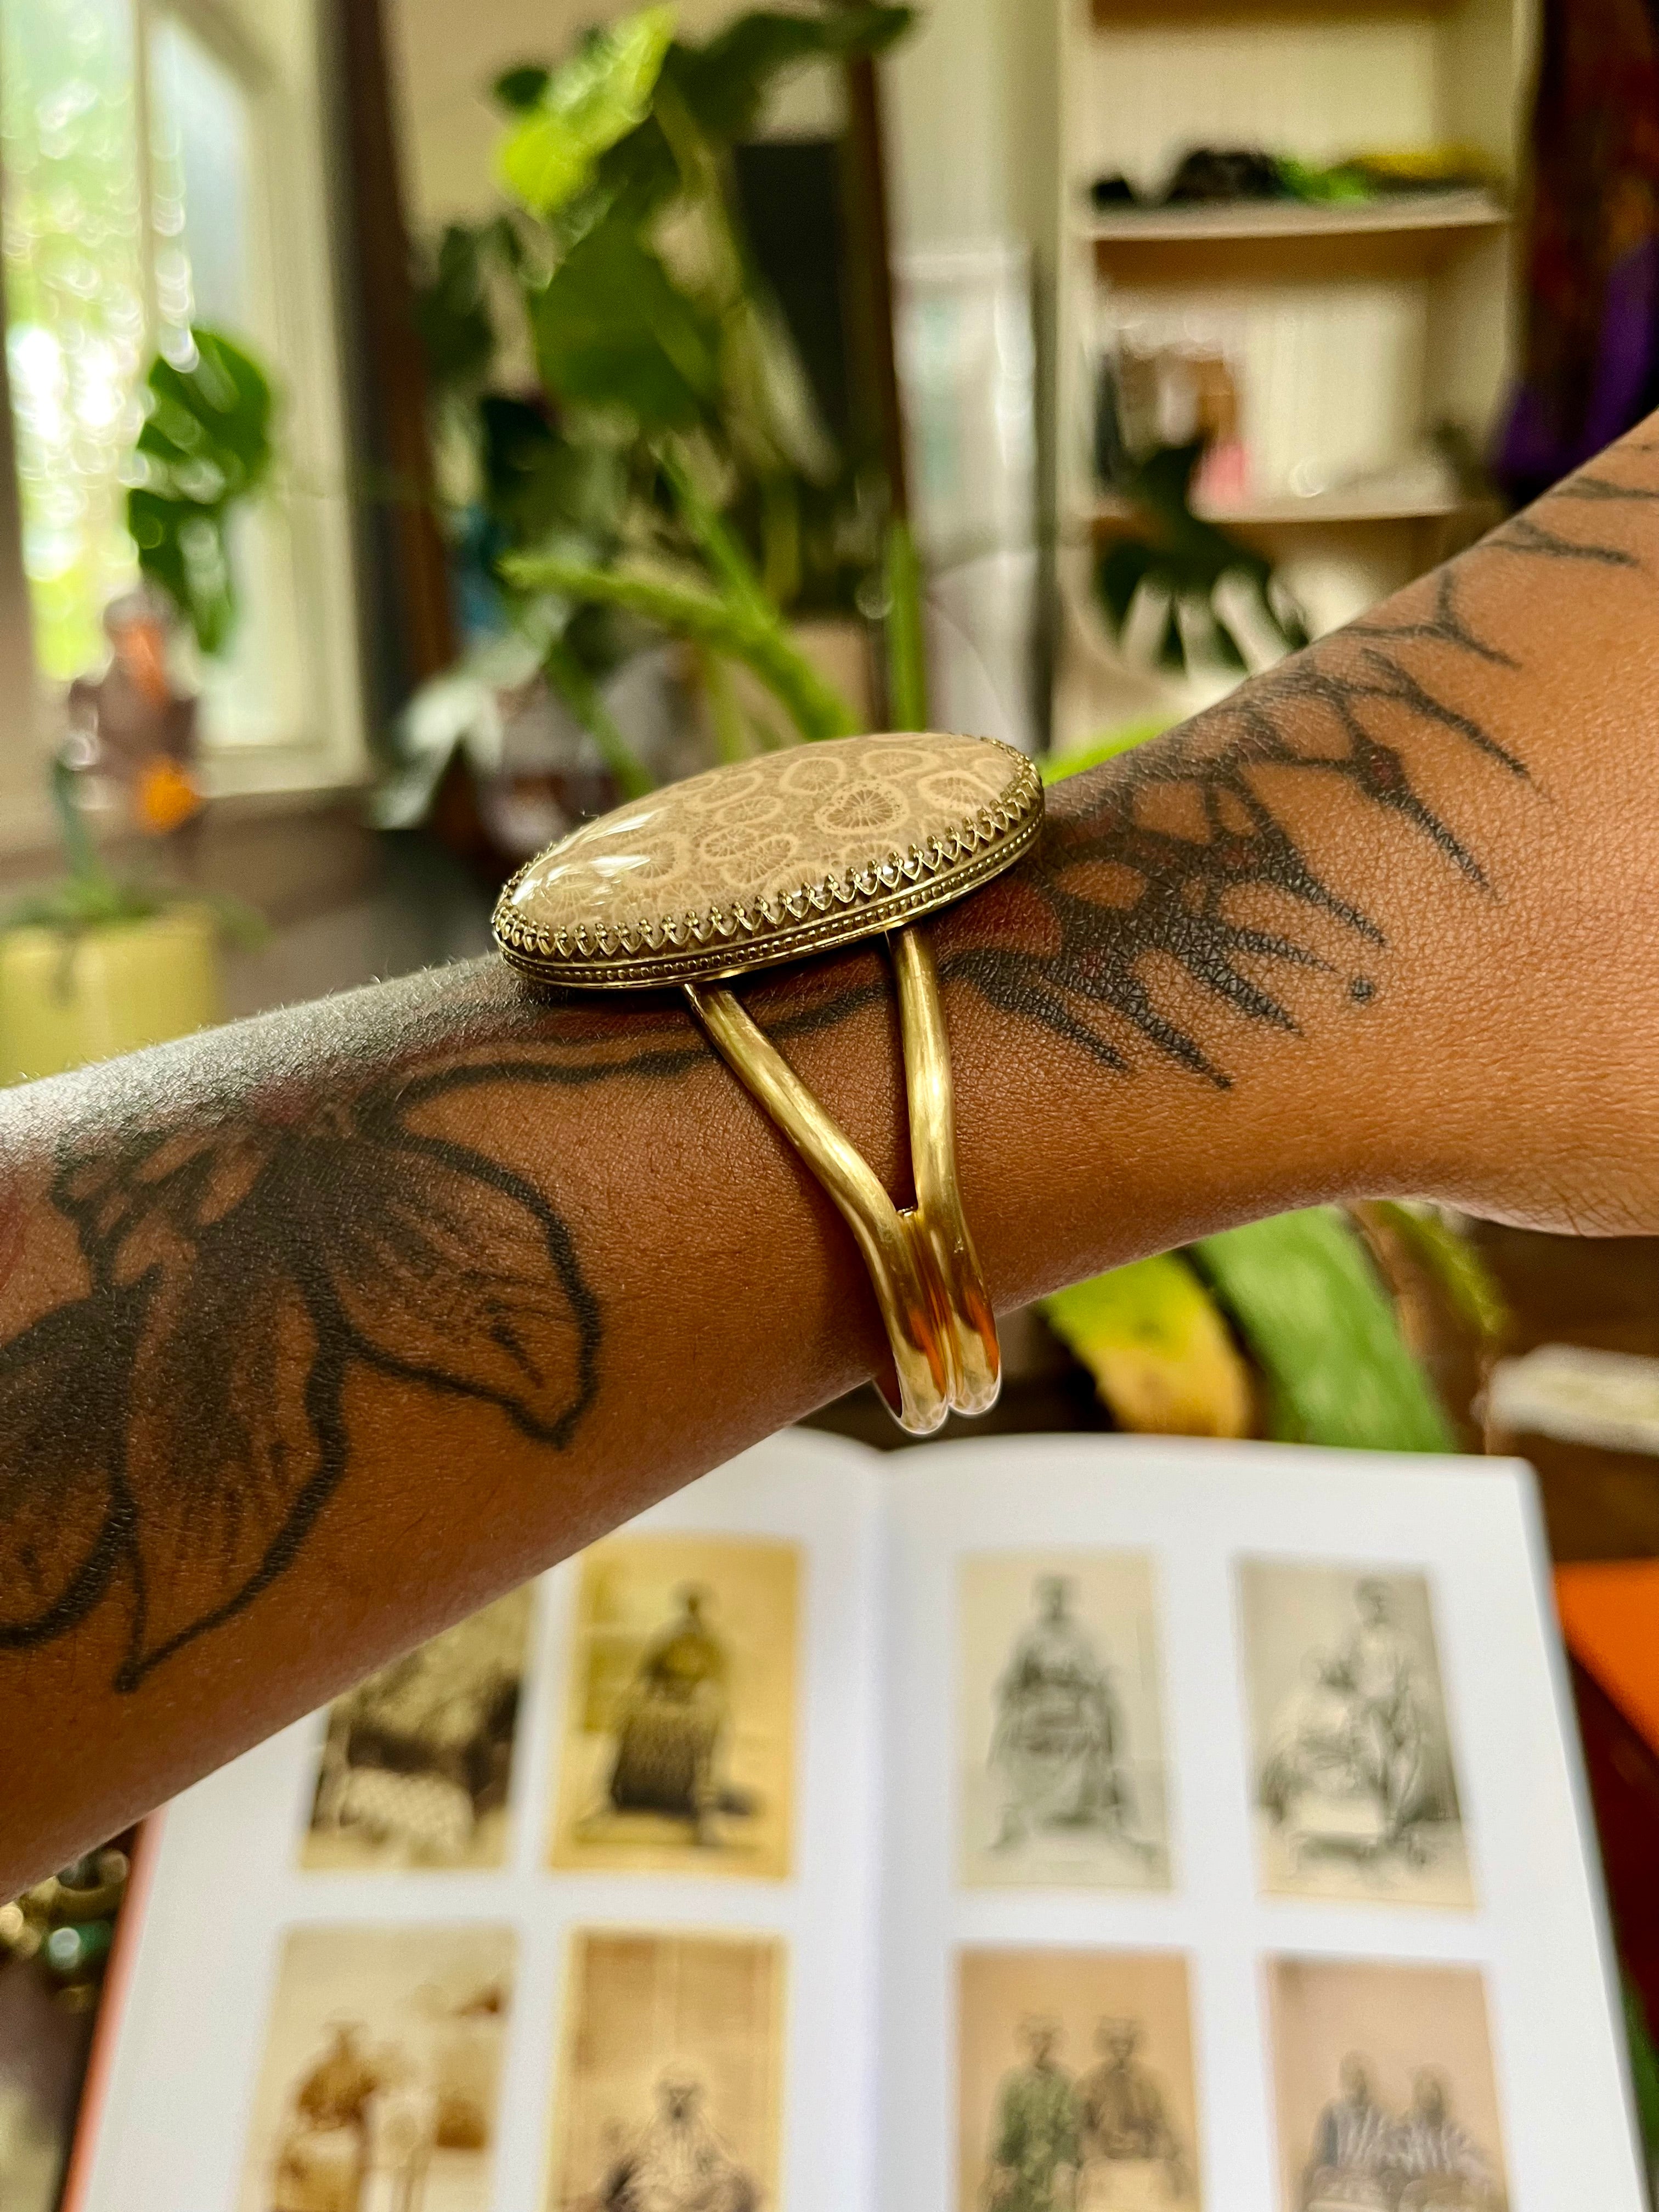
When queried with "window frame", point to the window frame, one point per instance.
{"points": [[274, 49]]}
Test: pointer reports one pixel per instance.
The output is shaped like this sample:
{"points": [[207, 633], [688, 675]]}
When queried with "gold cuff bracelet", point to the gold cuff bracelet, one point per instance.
{"points": [[773, 859]]}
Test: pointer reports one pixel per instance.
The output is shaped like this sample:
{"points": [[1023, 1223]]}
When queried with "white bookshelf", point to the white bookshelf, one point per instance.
{"points": [[1354, 329]]}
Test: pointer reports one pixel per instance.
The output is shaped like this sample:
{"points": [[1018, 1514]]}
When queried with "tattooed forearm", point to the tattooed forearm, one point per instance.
{"points": [[172, 1431]]}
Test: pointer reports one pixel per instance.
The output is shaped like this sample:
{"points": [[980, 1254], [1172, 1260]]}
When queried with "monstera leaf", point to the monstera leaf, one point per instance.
{"points": [[613, 331], [205, 445], [569, 116]]}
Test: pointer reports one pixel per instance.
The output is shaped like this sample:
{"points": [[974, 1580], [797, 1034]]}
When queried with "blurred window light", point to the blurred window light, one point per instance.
{"points": [[75, 305], [201, 134], [125, 219]]}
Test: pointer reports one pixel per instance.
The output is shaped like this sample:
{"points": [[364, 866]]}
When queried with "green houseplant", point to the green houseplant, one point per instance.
{"points": [[666, 470]]}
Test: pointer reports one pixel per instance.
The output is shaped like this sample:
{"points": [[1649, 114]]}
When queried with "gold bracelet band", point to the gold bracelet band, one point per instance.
{"points": [[775, 859], [920, 1260]]}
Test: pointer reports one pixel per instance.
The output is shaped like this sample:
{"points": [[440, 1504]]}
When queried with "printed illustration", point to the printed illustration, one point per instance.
{"points": [[417, 1760], [1387, 2100], [1356, 1794], [679, 1745], [1060, 1730], [382, 2064], [670, 2074], [1075, 2083]]}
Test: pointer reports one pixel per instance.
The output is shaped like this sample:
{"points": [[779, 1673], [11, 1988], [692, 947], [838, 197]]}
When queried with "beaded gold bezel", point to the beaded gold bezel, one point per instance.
{"points": [[880, 890]]}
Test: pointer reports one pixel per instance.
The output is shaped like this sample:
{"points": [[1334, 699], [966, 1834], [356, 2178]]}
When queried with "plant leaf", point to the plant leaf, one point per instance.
{"points": [[537, 481], [1302, 1289], [729, 565], [584, 107], [613, 331], [581, 695], [522, 86], [906, 637], [1160, 1351], [206, 444], [452, 310], [761, 642], [1471, 1288], [724, 84]]}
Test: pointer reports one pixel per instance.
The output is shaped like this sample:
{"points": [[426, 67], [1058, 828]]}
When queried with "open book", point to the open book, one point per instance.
{"points": [[1039, 1825]]}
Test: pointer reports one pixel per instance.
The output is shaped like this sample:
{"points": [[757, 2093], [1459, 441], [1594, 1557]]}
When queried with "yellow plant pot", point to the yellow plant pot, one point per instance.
{"points": [[65, 999]]}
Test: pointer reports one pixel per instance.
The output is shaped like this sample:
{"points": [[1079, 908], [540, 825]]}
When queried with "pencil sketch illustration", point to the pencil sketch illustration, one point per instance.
{"points": [[678, 1737], [1356, 1790], [417, 1760], [1112, 2132], [1407, 2120], [1062, 1779], [668, 2096], [382, 2065]]}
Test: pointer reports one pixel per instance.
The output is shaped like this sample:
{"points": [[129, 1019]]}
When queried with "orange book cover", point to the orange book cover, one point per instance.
{"points": [[1610, 1618]]}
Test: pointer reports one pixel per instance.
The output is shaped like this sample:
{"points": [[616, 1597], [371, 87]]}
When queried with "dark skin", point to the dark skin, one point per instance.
{"points": [[319, 1331]]}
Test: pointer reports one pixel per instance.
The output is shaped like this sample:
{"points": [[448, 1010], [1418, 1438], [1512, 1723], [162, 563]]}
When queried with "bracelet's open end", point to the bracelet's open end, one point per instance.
{"points": [[921, 1261]]}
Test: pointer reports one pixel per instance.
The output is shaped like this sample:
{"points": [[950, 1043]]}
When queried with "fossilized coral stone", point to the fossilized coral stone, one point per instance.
{"points": [[770, 859]]}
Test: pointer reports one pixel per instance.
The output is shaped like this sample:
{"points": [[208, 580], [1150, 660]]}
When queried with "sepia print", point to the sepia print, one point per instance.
{"points": [[670, 2074], [1075, 2083], [1061, 1727], [1356, 1790], [678, 1745], [417, 1760], [382, 2063], [1386, 2096]]}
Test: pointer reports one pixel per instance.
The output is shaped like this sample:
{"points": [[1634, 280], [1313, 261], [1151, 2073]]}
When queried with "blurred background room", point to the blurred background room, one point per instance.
{"points": [[422, 427]]}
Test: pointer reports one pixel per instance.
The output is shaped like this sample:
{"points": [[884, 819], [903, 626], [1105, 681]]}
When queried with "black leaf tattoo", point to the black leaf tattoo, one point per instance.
{"points": [[170, 1438]]}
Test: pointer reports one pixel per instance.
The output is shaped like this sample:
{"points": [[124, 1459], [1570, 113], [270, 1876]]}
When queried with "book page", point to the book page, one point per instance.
{"points": [[1235, 1849], [576, 1898]]}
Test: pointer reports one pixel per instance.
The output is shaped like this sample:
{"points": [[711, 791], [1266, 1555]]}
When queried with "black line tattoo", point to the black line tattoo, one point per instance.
{"points": [[1525, 534], [1591, 489], [1083, 971], [1443, 626]]}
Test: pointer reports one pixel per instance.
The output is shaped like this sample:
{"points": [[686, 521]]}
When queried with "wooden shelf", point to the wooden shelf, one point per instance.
{"points": [[1400, 233], [1359, 506], [1288, 219], [1109, 15]]}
